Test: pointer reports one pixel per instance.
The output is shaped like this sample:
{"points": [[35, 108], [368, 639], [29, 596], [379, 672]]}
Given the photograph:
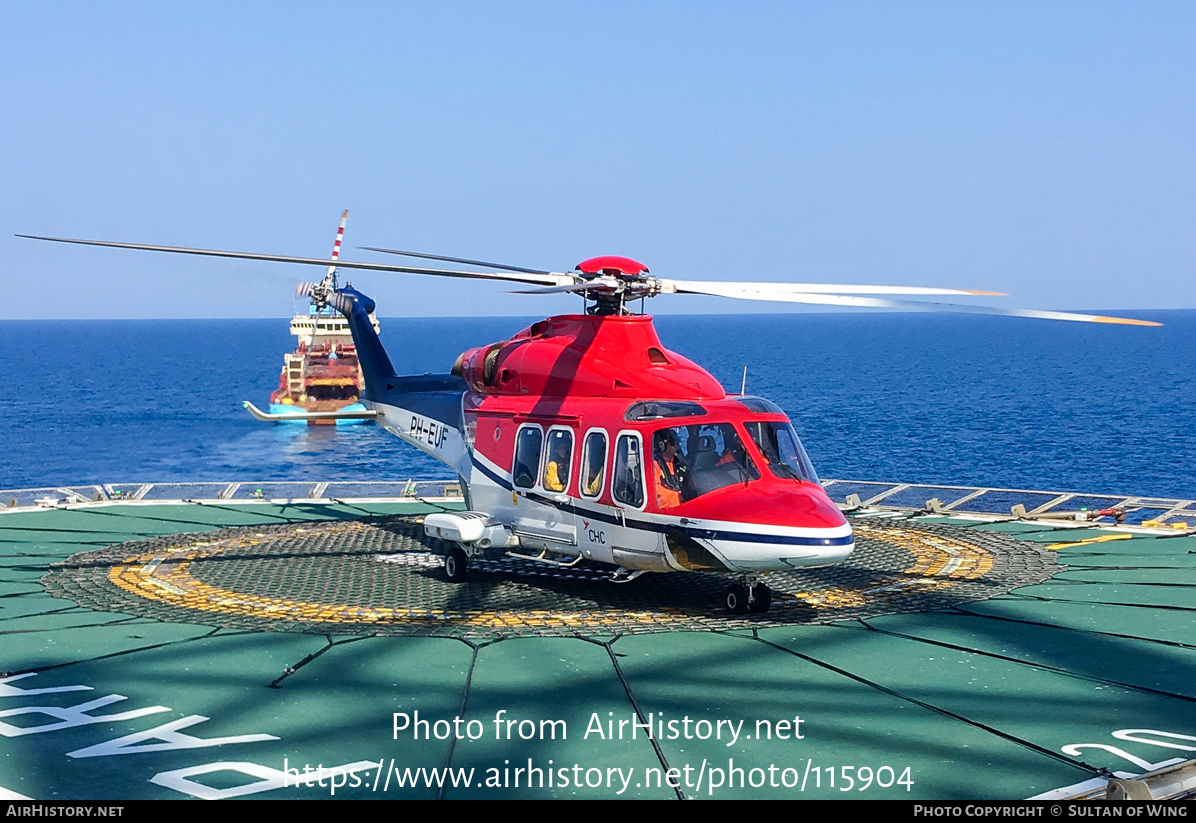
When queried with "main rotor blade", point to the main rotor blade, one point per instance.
{"points": [[735, 290], [604, 283], [546, 279], [454, 260], [762, 289]]}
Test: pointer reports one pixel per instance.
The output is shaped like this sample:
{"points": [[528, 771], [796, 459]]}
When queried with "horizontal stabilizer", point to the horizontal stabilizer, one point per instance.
{"points": [[369, 414]]}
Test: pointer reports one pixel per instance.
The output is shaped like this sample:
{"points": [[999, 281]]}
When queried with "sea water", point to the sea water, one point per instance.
{"points": [[919, 398]]}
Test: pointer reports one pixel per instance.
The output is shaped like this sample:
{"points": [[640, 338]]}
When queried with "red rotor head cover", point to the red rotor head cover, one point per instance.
{"points": [[625, 265]]}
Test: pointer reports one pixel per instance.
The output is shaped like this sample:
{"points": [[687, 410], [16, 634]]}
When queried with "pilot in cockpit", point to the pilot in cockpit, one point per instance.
{"points": [[670, 469]]}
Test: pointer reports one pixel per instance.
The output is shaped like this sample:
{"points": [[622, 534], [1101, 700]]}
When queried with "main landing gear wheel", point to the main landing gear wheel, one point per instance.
{"points": [[455, 565], [736, 599]]}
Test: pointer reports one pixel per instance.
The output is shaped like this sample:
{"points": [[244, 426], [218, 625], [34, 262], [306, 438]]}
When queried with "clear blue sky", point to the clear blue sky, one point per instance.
{"points": [[1041, 149]]}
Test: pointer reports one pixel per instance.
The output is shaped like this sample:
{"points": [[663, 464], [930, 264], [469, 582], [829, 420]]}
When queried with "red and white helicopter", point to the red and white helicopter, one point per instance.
{"points": [[582, 438]]}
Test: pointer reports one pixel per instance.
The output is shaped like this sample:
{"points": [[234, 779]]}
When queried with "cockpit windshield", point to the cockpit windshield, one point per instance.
{"points": [[691, 461], [782, 448]]}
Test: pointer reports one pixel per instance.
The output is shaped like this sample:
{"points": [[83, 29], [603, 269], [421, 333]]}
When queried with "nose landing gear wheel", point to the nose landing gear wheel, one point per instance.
{"points": [[736, 599], [455, 565], [763, 599], [755, 598]]}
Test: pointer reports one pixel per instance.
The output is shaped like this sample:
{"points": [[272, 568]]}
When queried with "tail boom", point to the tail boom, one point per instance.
{"points": [[424, 410]]}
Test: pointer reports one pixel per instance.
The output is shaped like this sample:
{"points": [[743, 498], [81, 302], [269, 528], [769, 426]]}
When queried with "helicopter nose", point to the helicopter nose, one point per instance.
{"points": [[805, 506], [786, 528]]}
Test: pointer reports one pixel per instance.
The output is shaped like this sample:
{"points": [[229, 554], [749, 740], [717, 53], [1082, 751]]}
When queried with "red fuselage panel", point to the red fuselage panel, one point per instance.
{"points": [[583, 372]]}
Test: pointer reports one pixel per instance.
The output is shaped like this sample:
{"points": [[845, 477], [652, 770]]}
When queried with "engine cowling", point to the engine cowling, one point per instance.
{"points": [[585, 356]]}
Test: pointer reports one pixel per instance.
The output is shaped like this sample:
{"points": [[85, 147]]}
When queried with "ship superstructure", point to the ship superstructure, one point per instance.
{"points": [[322, 374]]}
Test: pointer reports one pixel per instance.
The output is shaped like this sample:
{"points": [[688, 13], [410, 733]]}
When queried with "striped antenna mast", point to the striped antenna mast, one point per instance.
{"points": [[336, 247], [321, 292]]}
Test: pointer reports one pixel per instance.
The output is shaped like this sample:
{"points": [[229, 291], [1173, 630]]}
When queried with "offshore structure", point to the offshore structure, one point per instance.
{"points": [[211, 640]]}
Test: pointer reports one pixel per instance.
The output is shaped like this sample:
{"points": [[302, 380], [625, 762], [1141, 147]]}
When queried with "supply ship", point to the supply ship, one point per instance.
{"points": [[322, 374]]}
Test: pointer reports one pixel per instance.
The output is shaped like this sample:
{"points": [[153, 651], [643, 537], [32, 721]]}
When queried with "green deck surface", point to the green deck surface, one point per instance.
{"points": [[978, 701]]}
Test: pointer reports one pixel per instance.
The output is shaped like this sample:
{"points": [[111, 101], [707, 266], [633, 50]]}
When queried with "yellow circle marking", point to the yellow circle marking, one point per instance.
{"points": [[165, 577], [939, 562]]}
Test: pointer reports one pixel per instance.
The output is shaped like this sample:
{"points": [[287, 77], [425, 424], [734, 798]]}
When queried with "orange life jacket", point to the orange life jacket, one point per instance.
{"points": [[668, 491]]}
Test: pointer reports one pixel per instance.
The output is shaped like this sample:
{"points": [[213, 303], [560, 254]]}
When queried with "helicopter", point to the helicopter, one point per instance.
{"points": [[583, 439]]}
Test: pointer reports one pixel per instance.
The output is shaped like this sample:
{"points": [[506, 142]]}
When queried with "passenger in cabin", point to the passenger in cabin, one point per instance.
{"points": [[594, 465], [670, 469], [595, 485], [556, 473]]}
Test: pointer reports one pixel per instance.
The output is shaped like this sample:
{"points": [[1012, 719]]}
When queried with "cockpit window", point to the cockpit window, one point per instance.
{"points": [[760, 406], [690, 461], [782, 448], [658, 409]]}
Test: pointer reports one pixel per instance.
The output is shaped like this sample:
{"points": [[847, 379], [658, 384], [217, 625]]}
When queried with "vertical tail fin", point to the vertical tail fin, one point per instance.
{"points": [[423, 410], [375, 364]]}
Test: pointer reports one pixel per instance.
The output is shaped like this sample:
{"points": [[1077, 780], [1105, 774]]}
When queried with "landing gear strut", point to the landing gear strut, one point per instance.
{"points": [[749, 595]]}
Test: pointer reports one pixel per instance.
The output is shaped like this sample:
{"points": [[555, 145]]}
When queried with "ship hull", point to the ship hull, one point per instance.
{"points": [[282, 408], [322, 374]]}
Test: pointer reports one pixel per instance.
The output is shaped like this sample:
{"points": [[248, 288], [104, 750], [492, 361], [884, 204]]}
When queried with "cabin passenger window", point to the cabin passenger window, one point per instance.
{"points": [[527, 457], [629, 471], [593, 464], [560, 459]]}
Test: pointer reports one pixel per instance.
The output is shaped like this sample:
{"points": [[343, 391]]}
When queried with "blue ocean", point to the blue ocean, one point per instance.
{"points": [[917, 398]]}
